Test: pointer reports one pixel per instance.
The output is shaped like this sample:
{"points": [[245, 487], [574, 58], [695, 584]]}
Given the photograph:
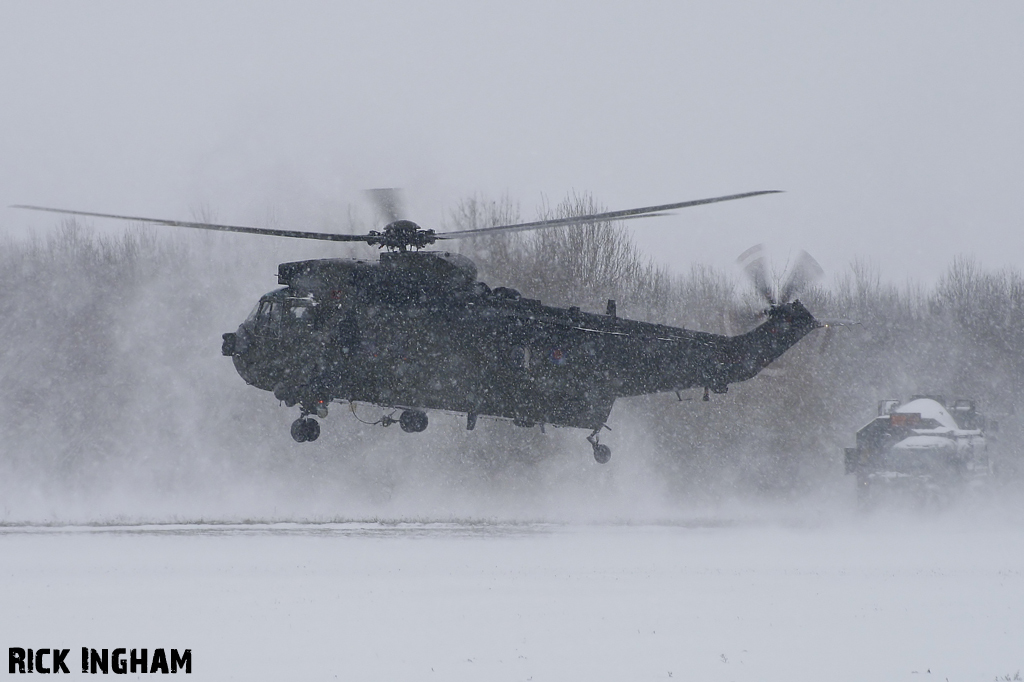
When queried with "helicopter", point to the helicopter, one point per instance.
{"points": [[417, 331]]}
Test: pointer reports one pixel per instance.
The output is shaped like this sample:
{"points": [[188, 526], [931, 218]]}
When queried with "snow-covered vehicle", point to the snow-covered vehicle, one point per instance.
{"points": [[926, 448]]}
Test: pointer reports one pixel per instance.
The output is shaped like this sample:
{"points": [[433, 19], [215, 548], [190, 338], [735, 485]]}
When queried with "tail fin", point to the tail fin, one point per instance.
{"points": [[749, 353]]}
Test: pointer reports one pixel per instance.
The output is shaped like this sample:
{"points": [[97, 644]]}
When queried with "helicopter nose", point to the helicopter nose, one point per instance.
{"points": [[235, 343], [243, 349]]}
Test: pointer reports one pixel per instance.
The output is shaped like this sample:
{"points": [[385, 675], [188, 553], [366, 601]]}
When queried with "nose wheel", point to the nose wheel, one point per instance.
{"points": [[602, 453], [305, 429]]}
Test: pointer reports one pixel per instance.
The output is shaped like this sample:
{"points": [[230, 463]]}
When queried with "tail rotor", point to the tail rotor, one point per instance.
{"points": [[805, 273], [802, 276], [755, 265]]}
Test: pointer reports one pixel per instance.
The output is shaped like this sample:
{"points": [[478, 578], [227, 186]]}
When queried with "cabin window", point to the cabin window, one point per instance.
{"points": [[301, 313]]}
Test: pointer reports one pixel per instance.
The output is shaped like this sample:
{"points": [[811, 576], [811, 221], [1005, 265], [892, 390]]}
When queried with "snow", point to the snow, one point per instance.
{"points": [[713, 599], [929, 409], [936, 444]]}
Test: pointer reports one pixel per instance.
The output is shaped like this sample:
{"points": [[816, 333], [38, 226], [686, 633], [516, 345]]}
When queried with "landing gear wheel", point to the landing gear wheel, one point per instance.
{"points": [[413, 421], [299, 430], [602, 453], [312, 429], [305, 429]]}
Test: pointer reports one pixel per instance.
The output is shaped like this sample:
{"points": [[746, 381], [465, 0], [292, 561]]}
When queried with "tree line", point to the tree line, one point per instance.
{"points": [[110, 361]]}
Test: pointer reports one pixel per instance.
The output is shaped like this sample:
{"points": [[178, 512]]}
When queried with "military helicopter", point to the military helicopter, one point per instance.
{"points": [[416, 331]]}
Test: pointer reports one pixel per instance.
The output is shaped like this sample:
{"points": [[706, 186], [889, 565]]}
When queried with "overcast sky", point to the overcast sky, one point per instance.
{"points": [[894, 127]]}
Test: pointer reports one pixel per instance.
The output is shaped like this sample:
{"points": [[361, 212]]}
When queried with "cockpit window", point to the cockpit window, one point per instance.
{"points": [[268, 317]]}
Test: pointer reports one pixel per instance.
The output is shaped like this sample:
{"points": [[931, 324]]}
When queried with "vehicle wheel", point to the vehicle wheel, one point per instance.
{"points": [[602, 454], [299, 430], [413, 421], [312, 429]]}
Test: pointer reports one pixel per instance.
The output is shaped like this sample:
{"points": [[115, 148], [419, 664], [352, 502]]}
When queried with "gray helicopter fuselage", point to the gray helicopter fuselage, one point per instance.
{"points": [[416, 330]]}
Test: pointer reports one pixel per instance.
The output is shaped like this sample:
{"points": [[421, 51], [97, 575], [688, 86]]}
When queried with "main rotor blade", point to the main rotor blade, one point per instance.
{"points": [[581, 220], [599, 217], [388, 201], [805, 273], [755, 266], [323, 236]]}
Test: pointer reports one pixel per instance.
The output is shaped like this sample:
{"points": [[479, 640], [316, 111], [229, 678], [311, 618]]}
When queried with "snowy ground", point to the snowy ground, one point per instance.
{"points": [[866, 599]]}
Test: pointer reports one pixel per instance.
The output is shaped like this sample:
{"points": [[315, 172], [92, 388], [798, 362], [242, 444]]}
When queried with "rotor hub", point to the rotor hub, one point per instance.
{"points": [[402, 235]]}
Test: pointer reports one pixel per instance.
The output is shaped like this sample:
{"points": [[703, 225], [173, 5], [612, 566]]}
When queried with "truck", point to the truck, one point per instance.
{"points": [[927, 450]]}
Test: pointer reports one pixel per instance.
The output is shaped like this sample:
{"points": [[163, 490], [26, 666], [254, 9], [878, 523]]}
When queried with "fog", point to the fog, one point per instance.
{"points": [[118, 407], [149, 497], [893, 128]]}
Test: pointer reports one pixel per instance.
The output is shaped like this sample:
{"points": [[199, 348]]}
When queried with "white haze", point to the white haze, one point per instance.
{"points": [[904, 601], [893, 127], [117, 405], [727, 531]]}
